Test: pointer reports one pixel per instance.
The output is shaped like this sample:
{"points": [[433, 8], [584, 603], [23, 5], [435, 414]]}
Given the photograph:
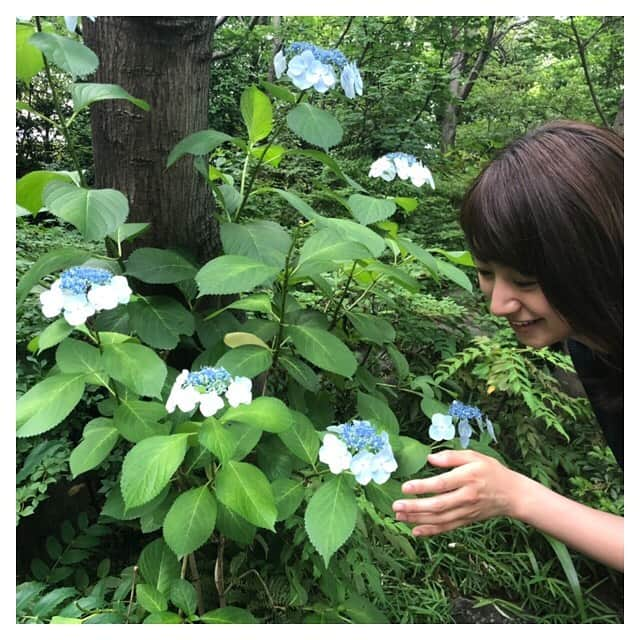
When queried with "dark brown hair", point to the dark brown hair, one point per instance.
{"points": [[550, 205]]}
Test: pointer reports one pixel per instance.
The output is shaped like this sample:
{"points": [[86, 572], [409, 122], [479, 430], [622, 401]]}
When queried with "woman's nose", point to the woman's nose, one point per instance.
{"points": [[504, 300]]}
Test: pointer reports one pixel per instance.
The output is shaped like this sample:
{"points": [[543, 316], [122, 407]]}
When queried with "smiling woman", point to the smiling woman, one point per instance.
{"points": [[544, 221]]}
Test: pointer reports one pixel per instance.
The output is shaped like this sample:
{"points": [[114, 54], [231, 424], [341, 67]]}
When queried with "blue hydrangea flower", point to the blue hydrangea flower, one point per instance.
{"points": [[313, 66], [443, 425], [206, 388], [82, 291], [359, 448], [404, 166]]}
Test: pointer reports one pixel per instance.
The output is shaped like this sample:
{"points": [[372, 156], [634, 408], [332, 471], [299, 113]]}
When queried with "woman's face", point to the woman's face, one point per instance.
{"points": [[520, 300]]}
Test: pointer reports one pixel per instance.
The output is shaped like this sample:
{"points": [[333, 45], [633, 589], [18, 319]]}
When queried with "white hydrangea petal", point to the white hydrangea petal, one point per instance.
{"points": [[122, 289], [172, 401], [383, 168], [402, 167], [103, 297], [210, 403], [279, 64], [52, 300], [187, 399], [335, 453], [78, 315], [362, 467], [239, 391]]}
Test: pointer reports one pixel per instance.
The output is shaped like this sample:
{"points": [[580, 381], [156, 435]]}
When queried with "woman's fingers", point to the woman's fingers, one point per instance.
{"points": [[438, 509]]}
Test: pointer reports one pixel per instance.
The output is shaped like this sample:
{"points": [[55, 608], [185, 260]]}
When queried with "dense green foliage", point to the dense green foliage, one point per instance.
{"points": [[343, 305]]}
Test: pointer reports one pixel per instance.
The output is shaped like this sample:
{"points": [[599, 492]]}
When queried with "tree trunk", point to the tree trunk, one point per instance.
{"points": [[166, 62], [618, 123], [450, 118]]}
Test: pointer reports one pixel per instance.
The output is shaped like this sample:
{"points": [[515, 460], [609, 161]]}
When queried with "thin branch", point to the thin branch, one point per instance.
{"points": [[220, 20], [585, 68], [195, 575], [219, 55], [344, 33]]}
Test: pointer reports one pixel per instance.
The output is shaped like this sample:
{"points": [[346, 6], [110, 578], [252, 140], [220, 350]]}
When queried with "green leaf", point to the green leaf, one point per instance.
{"points": [[148, 467], [246, 438], [232, 274], [228, 615], [412, 456], [288, 495], [53, 334], [259, 302], [93, 449], [136, 420], [396, 275], [48, 403], [279, 92], [263, 240], [67, 54], [302, 439], [190, 520], [377, 412], [330, 516], [299, 204], [184, 596], [384, 495], [50, 262], [354, 232], [408, 204], [399, 361], [367, 210], [236, 339], [372, 329], [315, 126], [458, 257], [159, 566], [421, 254], [74, 356], [322, 247], [323, 349], [232, 526], [257, 114], [159, 321], [94, 212], [564, 557], [159, 266], [136, 366], [454, 274], [200, 143], [51, 600], [150, 599], [429, 406], [244, 489], [128, 231], [269, 154], [246, 361], [220, 440], [30, 187], [85, 93], [29, 59], [301, 372], [265, 413]]}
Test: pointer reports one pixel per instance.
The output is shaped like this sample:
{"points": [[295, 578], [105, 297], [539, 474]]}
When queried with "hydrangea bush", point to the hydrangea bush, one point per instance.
{"points": [[443, 426], [205, 445]]}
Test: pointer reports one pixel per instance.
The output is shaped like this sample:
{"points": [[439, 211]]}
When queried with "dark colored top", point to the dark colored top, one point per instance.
{"points": [[595, 376]]}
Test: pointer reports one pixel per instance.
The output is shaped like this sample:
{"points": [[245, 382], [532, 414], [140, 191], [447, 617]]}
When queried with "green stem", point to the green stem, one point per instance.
{"points": [[342, 297], [252, 179], [283, 302], [58, 109], [364, 293]]}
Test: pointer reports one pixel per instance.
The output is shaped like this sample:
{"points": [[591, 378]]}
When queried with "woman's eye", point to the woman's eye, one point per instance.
{"points": [[523, 284], [484, 273]]}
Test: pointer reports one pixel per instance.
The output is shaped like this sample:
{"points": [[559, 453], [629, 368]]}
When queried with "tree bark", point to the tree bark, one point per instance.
{"points": [[165, 61], [618, 123]]}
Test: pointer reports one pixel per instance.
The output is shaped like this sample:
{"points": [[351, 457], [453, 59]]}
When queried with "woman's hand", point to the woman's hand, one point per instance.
{"points": [[479, 487]]}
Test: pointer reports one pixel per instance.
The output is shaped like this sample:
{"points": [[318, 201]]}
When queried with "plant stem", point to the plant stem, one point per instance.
{"points": [[364, 293], [133, 588], [58, 109], [219, 572], [196, 582], [252, 179], [342, 297]]}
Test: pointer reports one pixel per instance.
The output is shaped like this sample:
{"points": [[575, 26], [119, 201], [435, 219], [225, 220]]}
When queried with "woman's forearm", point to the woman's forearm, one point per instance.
{"points": [[597, 534]]}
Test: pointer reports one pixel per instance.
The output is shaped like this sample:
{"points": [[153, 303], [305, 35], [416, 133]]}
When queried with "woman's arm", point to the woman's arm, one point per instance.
{"points": [[479, 487]]}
